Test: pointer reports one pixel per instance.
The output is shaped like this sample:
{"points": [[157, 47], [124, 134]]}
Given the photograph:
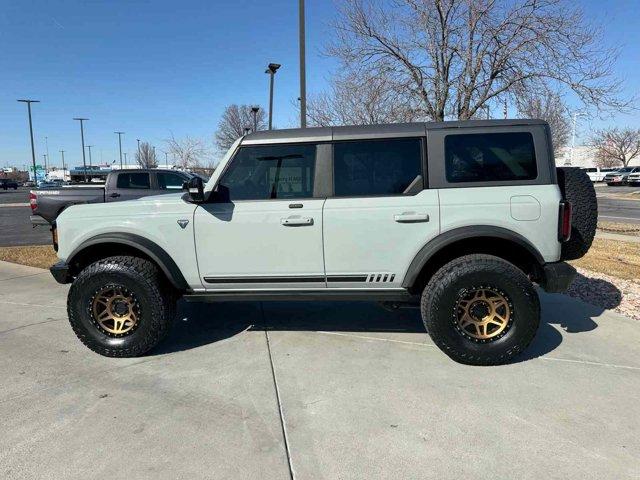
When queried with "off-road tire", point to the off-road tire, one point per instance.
{"points": [[439, 300], [577, 188], [155, 297]]}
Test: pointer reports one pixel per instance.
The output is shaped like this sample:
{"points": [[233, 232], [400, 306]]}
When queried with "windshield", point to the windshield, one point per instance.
{"points": [[626, 169]]}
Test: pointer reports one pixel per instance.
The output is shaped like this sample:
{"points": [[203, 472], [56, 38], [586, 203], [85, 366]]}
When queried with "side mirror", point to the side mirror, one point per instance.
{"points": [[195, 189]]}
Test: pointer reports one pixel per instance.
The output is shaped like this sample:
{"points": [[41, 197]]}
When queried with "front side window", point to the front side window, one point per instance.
{"points": [[490, 157], [376, 167], [170, 181], [271, 172], [133, 180]]}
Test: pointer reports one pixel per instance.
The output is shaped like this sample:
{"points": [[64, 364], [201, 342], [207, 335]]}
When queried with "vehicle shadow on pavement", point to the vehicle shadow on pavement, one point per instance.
{"points": [[561, 314], [199, 324]]}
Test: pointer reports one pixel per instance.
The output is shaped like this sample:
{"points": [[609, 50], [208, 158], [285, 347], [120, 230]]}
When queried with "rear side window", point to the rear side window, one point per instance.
{"points": [[170, 181], [376, 167], [271, 172], [491, 157], [133, 180]]}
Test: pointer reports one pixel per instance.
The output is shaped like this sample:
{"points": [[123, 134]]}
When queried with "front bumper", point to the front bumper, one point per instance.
{"points": [[557, 276], [60, 272]]}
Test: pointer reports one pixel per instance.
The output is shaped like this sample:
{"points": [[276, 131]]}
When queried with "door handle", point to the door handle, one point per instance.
{"points": [[296, 221], [114, 195], [411, 217]]}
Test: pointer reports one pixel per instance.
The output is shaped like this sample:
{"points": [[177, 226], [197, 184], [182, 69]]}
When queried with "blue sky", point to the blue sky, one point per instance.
{"points": [[155, 68]]}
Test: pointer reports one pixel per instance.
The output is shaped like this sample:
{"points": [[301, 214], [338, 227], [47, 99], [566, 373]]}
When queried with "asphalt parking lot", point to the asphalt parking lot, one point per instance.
{"points": [[309, 391], [15, 226]]}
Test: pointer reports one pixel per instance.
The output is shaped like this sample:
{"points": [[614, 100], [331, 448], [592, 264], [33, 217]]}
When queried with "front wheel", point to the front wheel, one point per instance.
{"points": [[480, 310], [120, 306]]}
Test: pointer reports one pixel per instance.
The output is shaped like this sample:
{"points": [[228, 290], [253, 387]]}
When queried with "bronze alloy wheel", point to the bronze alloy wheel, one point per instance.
{"points": [[483, 314], [115, 311]]}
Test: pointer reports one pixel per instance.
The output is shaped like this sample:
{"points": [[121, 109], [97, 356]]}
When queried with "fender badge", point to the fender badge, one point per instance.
{"points": [[183, 223]]}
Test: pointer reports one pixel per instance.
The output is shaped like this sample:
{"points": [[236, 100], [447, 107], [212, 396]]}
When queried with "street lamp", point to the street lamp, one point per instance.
{"points": [[64, 170], [45, 162], [46, 142], [125, 158], [272, 68], [255, 111], [90, 162], [138, 140], [84, 161], [303, 79], [573, 135], [120, 145], [33, 150]]}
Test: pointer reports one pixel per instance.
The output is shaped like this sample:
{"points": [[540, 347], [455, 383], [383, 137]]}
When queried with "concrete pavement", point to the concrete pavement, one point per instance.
{"points": [[323, 390]]}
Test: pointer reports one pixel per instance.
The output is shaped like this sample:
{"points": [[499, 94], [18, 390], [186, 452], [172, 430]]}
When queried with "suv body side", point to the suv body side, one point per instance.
{"points": [[325, 240]]}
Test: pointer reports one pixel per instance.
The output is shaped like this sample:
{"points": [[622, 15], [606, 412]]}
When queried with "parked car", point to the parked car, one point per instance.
{"points": [[343, 213], [634, 178], [7, 183], [620, 176], [47, 203], [596, 174]]}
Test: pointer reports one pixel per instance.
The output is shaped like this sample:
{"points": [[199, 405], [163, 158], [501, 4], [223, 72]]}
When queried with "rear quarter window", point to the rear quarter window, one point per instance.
{"points": [[133, 180], [490, 157]]}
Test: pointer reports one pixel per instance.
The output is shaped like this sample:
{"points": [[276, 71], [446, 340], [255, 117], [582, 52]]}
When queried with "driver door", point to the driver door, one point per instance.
{"points": [[265, 232]]}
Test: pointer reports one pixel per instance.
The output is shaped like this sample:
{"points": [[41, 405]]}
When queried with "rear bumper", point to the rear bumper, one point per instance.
{"points": [[557, 276], [38, 220], [60, 272]]}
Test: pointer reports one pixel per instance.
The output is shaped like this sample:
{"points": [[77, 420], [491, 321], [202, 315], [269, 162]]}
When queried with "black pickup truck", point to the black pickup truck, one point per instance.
{"points": [[48, 203]]}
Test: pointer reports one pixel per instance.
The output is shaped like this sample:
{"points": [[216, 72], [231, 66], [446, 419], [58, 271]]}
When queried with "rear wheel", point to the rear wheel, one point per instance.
{"points": [[480, 310], [121, 306]]}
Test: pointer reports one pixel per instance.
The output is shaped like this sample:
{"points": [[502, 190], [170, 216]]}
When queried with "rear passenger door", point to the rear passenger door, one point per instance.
{"points": [[379, 214], [129, 185], [501, 177]]}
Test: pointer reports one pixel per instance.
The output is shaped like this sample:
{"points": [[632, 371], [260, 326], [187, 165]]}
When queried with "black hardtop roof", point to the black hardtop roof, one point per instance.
{"points": [[324, 134]]}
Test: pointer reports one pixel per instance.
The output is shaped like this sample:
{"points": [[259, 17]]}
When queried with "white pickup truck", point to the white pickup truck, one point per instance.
{"points": [[461, 218]]}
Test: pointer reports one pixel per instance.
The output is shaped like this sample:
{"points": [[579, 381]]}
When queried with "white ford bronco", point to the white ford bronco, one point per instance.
{"points": [[461, 218]]}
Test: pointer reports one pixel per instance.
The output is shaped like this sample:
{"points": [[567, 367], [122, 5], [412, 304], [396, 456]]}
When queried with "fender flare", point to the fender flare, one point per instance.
{"points": [[451, 236], [146, 246]]}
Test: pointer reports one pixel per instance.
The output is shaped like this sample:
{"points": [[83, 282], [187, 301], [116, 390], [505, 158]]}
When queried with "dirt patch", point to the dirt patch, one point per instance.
{"points": [[41, 256], [631, 229], [614, 258]]}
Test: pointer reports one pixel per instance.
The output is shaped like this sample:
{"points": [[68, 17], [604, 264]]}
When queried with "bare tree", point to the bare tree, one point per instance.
{"points": [[548, 107], [452, 57], [146, 156], [360, 100], [616, 146], [234, 123], [188, 152]]}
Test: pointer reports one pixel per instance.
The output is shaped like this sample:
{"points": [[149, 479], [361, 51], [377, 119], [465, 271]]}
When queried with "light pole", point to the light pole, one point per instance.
{"points": [[573, 135], [90, 162], [255, 111], [84, 161], [33, 150], [64, 170], [272, 68], [45, 162], [46, 142], [303, 77], [120, 145], [138, 140], [166, 159], [125, 158]]}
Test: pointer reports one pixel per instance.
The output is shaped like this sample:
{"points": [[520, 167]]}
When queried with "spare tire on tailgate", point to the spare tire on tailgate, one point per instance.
{"points": [[577, 189]]}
